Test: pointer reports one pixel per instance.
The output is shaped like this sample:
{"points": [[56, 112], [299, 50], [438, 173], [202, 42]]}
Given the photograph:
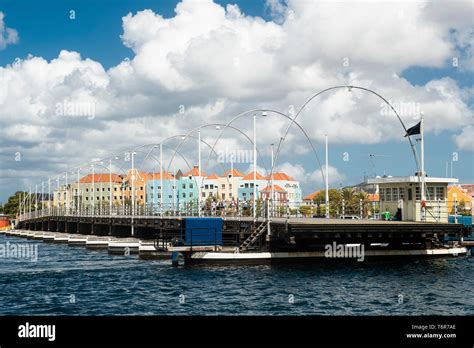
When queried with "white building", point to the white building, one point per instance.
{"points": [[403, 195]]}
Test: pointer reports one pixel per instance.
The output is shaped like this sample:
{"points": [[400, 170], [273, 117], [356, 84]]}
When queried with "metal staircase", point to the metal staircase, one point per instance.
{"points": [[257, 232]]}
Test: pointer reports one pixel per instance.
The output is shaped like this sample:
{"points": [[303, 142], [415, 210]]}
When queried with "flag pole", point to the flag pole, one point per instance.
{"points": [[422, 150]]}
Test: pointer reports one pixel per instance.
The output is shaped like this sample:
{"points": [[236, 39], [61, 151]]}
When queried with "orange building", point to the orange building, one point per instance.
{"points": [[4, 221]]}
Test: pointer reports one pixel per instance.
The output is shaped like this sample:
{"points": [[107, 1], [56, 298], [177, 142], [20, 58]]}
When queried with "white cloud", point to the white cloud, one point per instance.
{"points": [[465, 140], [7, 35], [312, 178]]}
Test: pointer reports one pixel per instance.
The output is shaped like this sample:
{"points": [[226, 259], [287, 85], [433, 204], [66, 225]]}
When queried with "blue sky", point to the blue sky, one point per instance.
{"points": [[44, 30]]}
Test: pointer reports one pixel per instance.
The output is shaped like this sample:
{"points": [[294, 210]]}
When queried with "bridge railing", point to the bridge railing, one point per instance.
{"points": [[209, 209]]}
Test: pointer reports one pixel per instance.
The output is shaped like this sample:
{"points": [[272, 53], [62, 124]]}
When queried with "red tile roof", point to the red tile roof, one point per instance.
{"points": [[234, 172], [157, 176], [311, 196], [97, 178], [194, 172], [213, 176], [281, 176], [249, 176]]}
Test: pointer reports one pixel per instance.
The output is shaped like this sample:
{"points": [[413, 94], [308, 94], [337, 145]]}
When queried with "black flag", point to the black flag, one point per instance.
{"points": [[414, 130]]}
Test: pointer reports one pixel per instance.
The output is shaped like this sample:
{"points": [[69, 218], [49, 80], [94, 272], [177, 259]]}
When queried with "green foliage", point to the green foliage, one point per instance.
{"points": [[11, 206]]}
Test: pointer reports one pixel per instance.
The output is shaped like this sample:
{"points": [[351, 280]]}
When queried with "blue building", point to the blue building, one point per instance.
{"points": [[154, 191]]}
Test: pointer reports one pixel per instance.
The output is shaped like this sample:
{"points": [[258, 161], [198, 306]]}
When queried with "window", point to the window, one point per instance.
{"points": [[382, 194], [223, 196], [191, 185], [395, 194], [223, 186], [141, 196], [170, 196], [204, 194], [97, 189], [159, 195], [115, 197], [401, 193], [87, 190], [244, 194], [115, 189], [184, 186], [159, 187], [206, 187], [418, 194], [440, 193], [230, 186], [87, 198], [184, 194], [410, 194], [103, 189], [151, 187], [388, 194], [431, 193], [151, 196], [246, 185], [230, 195], [190, 194], [141, 188]]}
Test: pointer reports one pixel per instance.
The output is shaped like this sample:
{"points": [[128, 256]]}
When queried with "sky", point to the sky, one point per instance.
{"points": [[84, 80]]}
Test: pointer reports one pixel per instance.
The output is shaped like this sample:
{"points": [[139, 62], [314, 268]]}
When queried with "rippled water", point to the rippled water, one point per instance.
{"points": [[75, 281]]}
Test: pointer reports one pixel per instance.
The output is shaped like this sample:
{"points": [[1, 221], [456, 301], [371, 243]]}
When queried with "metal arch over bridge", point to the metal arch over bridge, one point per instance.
{"points": [[256, 221]]}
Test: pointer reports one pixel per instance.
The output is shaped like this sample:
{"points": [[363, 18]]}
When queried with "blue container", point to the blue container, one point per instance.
{"points": [[203, 231], [464, 220]]}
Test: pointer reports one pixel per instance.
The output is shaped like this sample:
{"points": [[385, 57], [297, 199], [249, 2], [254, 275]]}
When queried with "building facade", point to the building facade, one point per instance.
{"points": [[402, 196]]}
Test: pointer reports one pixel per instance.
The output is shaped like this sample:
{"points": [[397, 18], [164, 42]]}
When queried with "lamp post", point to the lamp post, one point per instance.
{"points": [[67, 197], [110, 186], [79, 193], [254, 166], [93, 190], [327, 179], [133, 193], [161, 179], [36, 200], [49, 196], [271, 187], [199, 172], [42, 197]]}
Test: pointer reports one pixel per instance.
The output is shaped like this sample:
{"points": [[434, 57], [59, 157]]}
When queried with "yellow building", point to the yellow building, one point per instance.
{"points": [[462, 198]]}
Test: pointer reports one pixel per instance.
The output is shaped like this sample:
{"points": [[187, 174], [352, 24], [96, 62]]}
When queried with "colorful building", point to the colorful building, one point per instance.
{"points": [[246, 186], [461, 196], [158, 191], [228, 185]]}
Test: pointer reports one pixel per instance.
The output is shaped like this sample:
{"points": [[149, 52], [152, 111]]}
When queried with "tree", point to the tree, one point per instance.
{"points": [[11, 206], [335, 199]]}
